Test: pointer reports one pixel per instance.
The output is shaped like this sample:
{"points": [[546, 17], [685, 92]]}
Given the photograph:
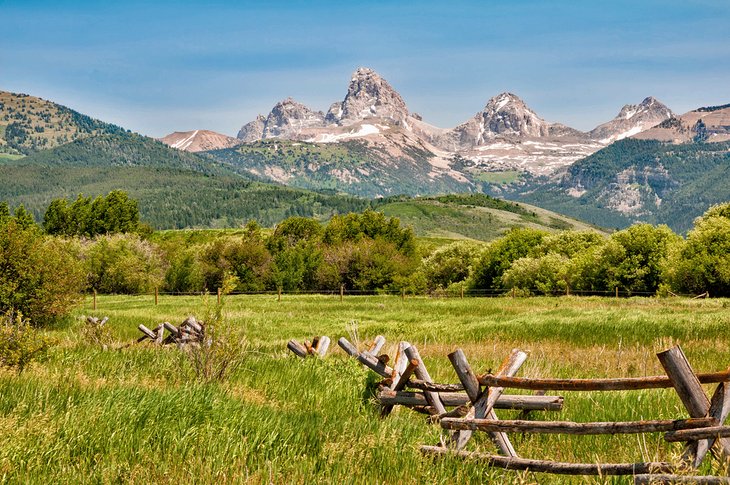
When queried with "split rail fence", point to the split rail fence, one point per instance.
{"points": [[474, 399]]}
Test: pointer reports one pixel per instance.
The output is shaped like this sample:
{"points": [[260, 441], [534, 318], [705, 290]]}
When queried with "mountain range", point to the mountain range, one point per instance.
{"points": [[646, 164]]}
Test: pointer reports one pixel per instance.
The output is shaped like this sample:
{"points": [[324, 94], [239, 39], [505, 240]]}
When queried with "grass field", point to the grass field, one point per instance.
{"points": [[132, 414]]}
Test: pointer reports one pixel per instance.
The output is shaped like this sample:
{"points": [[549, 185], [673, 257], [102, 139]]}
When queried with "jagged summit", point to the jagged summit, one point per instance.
{"points": [[632, 119], [287, 119], [368, 96]]}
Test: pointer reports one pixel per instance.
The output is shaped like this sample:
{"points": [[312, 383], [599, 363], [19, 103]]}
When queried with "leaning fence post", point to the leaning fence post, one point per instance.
{"points": [[695, 400], [432, 397]]}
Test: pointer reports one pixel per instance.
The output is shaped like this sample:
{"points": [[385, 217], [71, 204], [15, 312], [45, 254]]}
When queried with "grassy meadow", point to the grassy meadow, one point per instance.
{"points": [[134, 414]]}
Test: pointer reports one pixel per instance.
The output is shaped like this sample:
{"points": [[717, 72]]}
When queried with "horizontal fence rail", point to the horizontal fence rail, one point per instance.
{"points": [[572, 428], [617, 384]]}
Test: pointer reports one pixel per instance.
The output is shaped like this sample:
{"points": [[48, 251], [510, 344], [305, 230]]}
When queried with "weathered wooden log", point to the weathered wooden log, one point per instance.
{"points": [[192, 323], [514, 463], [434, 387], [322, 346], [505, 401], [398, 385], [719, 409], [377, 344], [572, 428], [366, 359], [617, 384], [484, 405], [160, 330], [690, 392], [422, 373], [148, 333], [401, 362], [466, 375], [662, 479], [698, 434], [349, 349], [298, 349], [172, 329]]}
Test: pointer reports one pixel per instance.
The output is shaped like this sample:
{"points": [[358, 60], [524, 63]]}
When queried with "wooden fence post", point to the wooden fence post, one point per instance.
{"points": [[403, 294], [513, 292], [279, 293], [94, 304], [156, 295], [695, 400], [462, 292], [617, 292], [219, 296], [342, 292]]}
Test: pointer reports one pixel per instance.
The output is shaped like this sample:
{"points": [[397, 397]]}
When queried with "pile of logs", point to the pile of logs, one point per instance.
{"points": [[190, 332], [316, 348], [96, 322]]}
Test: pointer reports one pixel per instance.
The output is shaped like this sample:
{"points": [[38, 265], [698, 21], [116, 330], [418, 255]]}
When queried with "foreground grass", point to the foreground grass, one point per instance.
{"points": [[134, 414]]}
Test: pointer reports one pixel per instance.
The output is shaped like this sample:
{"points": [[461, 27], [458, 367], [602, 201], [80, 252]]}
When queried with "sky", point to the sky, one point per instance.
{"points": [[159, 67]]}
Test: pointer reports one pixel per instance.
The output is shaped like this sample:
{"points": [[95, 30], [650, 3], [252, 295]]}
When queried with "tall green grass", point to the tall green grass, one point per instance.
{"points": [[134, 414]]}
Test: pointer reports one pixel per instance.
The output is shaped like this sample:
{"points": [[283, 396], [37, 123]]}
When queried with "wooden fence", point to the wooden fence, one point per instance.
{"points": [[474, 399]]}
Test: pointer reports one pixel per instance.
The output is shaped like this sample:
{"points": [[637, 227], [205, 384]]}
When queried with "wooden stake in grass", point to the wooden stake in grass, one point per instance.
{"points": [[219, 296], [156, 293], [342, 292], [94, 304], [279, 294]]}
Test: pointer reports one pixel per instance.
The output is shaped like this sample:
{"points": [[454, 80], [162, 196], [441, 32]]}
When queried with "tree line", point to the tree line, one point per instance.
{"points": [[100, 245]]}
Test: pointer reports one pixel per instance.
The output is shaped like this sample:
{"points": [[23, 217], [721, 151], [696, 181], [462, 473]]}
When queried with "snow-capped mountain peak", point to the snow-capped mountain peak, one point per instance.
{"points": [[632, 119]]}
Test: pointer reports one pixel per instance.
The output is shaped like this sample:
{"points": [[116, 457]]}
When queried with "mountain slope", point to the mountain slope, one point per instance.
{"points": [[199, 140], [711, 124], [473, 216], [29, 124], [639, 180], [631, 120], [175, 189]]}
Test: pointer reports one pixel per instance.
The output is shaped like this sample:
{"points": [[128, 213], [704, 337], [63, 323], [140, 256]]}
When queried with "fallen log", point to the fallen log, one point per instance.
{"points": [[561, 468], [298, 349], [572, 428]]}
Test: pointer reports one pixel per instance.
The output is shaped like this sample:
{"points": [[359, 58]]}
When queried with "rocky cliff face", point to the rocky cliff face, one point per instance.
{"points": [[632, 119], [368, 96]]}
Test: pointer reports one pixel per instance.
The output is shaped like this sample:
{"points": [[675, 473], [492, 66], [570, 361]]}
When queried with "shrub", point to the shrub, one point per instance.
{"points": [[450, 264], [702, 263], [223, 350], [125, 264], [499, 255], [41, 276], [20, 343]]}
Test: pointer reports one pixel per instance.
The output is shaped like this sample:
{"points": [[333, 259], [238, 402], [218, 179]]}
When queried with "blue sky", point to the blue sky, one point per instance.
{"points": [[158, 67]]}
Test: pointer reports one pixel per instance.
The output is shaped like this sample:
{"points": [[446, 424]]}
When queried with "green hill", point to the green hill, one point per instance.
{"points": [[29, 124], [175, 189], [472, 216]]}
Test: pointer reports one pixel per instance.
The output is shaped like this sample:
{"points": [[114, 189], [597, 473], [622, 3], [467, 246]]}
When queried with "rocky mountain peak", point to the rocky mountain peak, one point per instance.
{"points": [[368, 96], [632, 119], [507, 114], [287, 119]]}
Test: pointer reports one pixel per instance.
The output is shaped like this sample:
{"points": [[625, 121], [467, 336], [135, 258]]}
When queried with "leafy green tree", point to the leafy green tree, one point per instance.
{"points": [[546, 275], [370, 225], [500, 254], [57, 218], [632, 259], [4, 213], [23, 218], [41, 276], [702, 263], [450, 264], [124, 264]]}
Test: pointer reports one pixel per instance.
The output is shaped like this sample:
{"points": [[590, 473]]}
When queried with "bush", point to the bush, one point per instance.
{"points": [[499, 256], [20, 343], [124, 264], [42, 277], [702, 263], [223, 350], [450, 264]]}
